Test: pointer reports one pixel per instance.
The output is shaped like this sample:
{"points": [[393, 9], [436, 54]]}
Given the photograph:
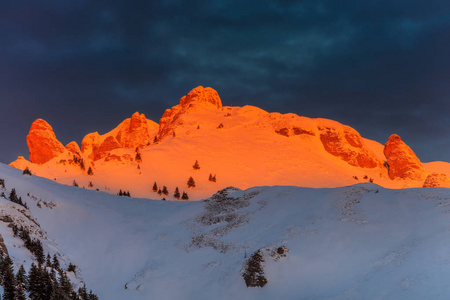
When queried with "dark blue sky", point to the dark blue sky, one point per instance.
{"points": [[381, 67]]}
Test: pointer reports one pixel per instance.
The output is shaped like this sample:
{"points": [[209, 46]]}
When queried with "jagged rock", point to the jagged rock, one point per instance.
{"points": [[109, 144], [202, 95], [90, 144], [172, 118], [134, 132], [403, 162], [437, 180], [73, 147], [347, 144], [42, 142]]}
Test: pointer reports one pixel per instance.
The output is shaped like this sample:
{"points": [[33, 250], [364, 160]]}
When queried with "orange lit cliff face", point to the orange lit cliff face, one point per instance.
{"points": [[238, 146]]}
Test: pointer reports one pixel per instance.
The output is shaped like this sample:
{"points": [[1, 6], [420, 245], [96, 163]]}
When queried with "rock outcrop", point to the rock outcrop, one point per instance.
{"points": [[403, 162], [109, 144], [42, 142], [172, 118], [90, 144], [73, 147], [134, 132], [437, 180], [202, 95], [346, 143]]}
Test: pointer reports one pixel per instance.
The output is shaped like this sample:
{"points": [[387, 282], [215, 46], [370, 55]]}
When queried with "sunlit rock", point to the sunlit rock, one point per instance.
{"points": [[42, 142], [347, 144], [437, 180], [134, 132], [172, 118], [109, 144], [73, 147], [90, 144], [403, 162]]}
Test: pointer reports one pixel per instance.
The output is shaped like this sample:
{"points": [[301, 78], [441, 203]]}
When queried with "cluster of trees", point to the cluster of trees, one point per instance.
{"points": [[2, 183], [33, 245], [165, 191], [365, 177], [79, 161], [124, 193], [26, 171], [212, 178], [43, 282], [138, 157], [18, 200]]}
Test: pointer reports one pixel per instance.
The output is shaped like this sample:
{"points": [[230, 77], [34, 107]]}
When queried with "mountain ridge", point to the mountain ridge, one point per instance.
{"points": [[245, 146]]}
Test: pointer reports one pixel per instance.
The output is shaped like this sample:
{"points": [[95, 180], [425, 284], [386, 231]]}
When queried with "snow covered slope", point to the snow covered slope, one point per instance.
{"points": [[356, 242]]}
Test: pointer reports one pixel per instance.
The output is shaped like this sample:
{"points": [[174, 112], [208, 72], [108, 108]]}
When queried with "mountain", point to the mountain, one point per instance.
{"points": [[234, 146], [356, 242]]}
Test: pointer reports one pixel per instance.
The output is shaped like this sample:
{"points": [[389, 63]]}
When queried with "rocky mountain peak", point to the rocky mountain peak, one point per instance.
{"points": [[202, 95], [42, 142], [403, 162]]}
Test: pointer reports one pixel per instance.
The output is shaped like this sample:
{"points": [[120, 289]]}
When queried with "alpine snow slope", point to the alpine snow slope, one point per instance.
{"points": [[356, 242]]}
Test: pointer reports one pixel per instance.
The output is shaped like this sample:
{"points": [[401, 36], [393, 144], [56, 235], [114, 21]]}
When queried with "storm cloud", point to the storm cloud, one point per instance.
{"points": [[381, 67]]}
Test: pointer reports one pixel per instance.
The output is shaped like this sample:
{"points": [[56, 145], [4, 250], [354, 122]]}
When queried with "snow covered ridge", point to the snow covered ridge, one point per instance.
{"points": [[356, 242], [236, 146], [32, 264]]}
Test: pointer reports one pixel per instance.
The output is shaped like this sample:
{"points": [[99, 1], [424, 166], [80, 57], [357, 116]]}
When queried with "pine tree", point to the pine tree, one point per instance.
{"points": [[155, 140], [185, 196], [75, 183], [13, 195], [120, 193], [90, 184], [90, 172], [82, 293], [21, 282], [191, 182], [39, 252], [165, 191], [55, 262], [48, 261], [21, 277], [159, 192], [196, 166], [26, 171], [155, 187], [176, 194], [72, 268], [34, 283], [64, 283], [138, 157], [9, 280]]}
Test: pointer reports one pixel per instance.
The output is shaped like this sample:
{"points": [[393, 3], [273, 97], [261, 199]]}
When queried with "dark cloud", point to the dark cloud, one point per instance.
{"points": [[378, 66]]}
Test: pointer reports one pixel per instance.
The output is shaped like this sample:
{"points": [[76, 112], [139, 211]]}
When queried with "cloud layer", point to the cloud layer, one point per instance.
{"points": [[379, 66]]}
